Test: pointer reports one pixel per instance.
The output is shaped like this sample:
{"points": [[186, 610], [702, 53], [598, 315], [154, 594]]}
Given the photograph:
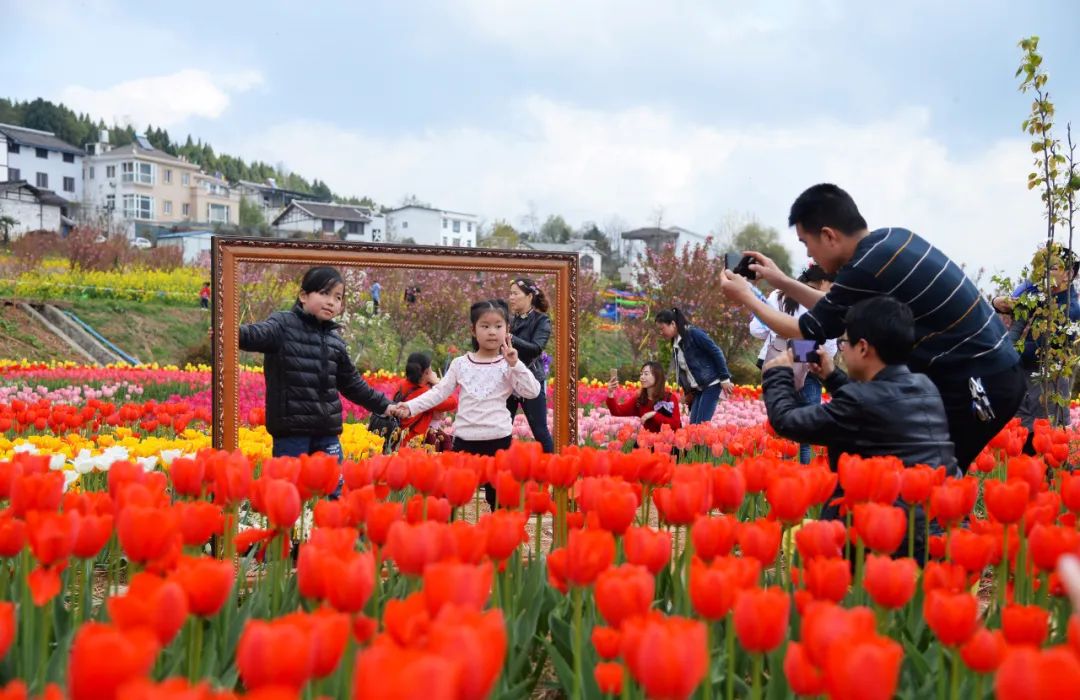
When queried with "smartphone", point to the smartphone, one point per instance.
{"points": [[805, 350], [614, 374], [740, 264]]}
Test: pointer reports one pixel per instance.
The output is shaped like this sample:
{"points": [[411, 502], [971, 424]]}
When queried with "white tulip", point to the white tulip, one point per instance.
{"points": [[84, 462], [57, 461], [26, 447], [167, 456], [148, 463]]}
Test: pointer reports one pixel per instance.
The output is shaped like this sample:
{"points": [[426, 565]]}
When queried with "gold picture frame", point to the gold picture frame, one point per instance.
{"points": [[228, 253]]}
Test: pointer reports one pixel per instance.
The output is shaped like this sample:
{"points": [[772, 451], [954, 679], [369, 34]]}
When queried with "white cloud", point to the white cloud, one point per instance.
{"points": [[590, 164], [162, 100]]}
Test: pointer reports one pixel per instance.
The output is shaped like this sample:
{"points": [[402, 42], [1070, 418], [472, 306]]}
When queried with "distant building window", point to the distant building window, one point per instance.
{"points": [[470, 227], [139, 173], [69, 184], [42, 180], [352, 227], [69, 157], [217, 213], [110, 171], [444, 240], [444, 222], [138, 206], [185, 179], [457, 226], [41, 152], [91, 172], [404, 224], [457, 242], [13, 148], [185, 210], [167, 207], [168, 176], [216, 189], [14, 174], [110, 202], [328, 225], [468, 243]]}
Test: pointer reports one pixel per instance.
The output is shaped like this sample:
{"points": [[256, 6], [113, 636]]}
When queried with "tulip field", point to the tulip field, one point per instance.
{"points": [[137, 562]]}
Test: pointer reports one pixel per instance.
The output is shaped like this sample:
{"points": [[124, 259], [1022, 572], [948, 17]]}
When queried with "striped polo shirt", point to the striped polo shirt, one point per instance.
{"points": [[955, 327]]}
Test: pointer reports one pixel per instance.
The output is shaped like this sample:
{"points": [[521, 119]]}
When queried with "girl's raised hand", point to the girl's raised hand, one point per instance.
{"points": [[509, 352]]}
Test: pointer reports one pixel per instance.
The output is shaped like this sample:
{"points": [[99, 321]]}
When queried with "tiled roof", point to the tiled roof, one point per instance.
{"points": [[32, 138]]}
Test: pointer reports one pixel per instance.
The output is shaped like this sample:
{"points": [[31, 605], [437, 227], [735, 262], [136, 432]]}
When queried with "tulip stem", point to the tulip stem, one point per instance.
{"points": [[911, 531], [1003, 571], [709, 672], [43, 632], [729, 650], [195, 642], [539, 533], [954, 675], [755, 680], [575, 594], [978, 686]]}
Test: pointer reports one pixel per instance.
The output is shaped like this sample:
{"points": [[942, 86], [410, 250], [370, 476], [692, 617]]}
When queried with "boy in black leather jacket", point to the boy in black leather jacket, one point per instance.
{"points": [[880, 408]]}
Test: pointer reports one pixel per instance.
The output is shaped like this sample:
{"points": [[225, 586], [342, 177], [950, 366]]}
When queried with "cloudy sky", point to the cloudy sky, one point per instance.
{"points": [[707, 112]]}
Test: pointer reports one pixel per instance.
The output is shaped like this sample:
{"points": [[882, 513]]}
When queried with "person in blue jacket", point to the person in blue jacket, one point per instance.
{"points": [[697, 362]]}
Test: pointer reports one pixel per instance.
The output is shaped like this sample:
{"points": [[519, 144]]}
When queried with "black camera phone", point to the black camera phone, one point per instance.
{"points": [[740, 264], [805, 350]]}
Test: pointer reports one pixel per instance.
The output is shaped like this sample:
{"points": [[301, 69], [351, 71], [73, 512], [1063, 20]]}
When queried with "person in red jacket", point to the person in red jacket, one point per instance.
{"points": [[419, 378], [655, 405]]}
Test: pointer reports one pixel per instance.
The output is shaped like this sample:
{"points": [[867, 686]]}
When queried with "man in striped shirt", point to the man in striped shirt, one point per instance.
{"points": [[958, 337]]}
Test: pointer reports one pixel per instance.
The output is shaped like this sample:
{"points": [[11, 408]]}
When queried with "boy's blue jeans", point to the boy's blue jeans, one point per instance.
{"points": [[296, 445]]}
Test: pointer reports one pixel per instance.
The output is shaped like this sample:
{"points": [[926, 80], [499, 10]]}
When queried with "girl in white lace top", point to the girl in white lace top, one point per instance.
{"points": [[487, 376]]}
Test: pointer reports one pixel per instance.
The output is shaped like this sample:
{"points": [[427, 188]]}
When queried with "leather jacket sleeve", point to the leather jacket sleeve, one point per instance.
{"points": [[529, 350], [821, 424]]}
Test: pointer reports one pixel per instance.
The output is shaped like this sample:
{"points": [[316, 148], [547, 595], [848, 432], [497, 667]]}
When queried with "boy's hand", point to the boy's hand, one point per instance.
{"points": [[824, 366], [509, 352], [784, 359]]}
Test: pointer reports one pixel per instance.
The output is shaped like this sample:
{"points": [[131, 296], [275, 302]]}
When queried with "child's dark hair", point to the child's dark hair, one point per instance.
{"points": [[826, 205], [885, 324], [480, 308], [659, 390], [814, 274], [673, 315], [527, 286], [322, 279], [415, 367]]}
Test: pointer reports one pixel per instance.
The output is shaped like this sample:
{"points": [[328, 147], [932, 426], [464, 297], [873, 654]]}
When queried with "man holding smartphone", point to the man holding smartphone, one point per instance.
{"points": [[960, 343]]}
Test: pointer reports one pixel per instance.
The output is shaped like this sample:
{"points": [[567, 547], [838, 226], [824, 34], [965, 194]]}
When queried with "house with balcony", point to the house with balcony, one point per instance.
{"points": [[138, 185], [42, 160], [637, 243], [270, 199], [429, 226]]}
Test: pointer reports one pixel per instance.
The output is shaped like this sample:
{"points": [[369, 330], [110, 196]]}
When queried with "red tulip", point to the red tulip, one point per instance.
{"points": [[873, 479], [1048, 542], [917, 482], [199, 521], [40, 492], [609, 678], [984, 651], [953, 617], [414, 546], [761, 618], [281, 502], [1031, 674], [275, 652], [667, 656], [1070, 491], [882, 528], [103, 658], [852, 661], [379, 518], [1025, 624], [606, 641], [728, 488], [385, 671], [623, 592], [319, 475], [157, 604], [207, 583], [1006, 501], [825, 623], [187, 476], [821, 538], [459, 485], [149, 535], [1027, 468], [617, 506], [647, 547], [505, 533], [890, 582], [588, 553], [52, 535], [7, 627], [827, 579], [477, 641], [452, 583], [970, 550], [714, 536], [760, 539], [953, 500], [12, 534], [803, 676], [789, 498], [712, 590]]}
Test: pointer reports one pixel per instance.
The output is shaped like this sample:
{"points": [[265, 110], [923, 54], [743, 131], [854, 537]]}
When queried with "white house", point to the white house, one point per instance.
{"points": [[428, 226], [346, 220], [589, 258], [639, 241], [192, 243], [32, 208], [43, 160]]}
